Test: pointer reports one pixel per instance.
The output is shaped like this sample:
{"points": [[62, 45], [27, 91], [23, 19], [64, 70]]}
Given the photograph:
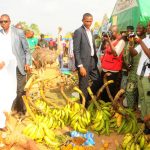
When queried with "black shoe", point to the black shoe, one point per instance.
{"points": [[147, 131]]}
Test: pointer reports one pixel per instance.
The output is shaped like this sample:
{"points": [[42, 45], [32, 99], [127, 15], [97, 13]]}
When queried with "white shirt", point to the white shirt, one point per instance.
{"points": [[119, 47], [8, 79], [143, 57], [89, 34]]}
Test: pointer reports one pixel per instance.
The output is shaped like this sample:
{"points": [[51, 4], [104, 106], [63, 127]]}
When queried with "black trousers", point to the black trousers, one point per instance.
{"points": [[114, 87], [18, 104], [94, 75]]}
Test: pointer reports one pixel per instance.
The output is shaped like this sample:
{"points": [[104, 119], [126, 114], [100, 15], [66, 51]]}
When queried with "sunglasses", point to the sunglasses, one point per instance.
{"points": [[4, 21]]}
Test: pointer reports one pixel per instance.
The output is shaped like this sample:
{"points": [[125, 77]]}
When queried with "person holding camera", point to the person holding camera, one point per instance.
{"points": [[131, 94], [143, 72], [112, 60]]}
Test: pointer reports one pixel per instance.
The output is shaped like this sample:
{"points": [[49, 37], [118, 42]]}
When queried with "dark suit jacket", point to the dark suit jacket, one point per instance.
{"points": [[82, 48]]}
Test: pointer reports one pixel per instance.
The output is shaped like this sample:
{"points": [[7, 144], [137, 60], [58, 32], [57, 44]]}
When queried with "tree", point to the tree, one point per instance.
{"points": [[35, 29]]}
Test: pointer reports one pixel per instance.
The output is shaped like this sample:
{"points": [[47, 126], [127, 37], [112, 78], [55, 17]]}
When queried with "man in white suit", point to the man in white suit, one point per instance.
{"points": [[18, 45]]}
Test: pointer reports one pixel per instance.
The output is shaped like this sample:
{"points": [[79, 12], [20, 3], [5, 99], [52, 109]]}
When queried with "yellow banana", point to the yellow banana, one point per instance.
{"points": [[50, 142], [132, 146], [82, 130], [142, 142], [137, 147], [126, 140], [101, 125]]}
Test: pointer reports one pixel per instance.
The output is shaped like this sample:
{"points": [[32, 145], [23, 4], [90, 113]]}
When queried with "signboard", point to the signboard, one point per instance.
{"points": [[123, 5]]}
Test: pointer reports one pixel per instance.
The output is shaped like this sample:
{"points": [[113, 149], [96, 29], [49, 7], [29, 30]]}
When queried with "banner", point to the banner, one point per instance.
{"points": [[123, 5]]}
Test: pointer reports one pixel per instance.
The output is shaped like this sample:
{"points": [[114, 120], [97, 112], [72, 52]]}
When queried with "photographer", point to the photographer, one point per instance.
{"points": [[112, 60], [143, 72], [131, 95]]}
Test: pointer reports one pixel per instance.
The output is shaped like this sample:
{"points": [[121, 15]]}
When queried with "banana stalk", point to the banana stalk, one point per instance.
{"points": [[48, 101], [82, 95], [29, 82], [93, 98], [107, 88], [28, 107], [103, 87], [63, 93]]}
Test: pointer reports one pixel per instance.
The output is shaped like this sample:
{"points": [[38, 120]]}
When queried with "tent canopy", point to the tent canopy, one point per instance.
{"points": [[130, 12]]}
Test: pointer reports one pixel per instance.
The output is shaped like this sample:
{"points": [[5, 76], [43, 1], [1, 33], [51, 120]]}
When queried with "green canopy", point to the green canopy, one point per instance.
{"points": [[130, 12]]}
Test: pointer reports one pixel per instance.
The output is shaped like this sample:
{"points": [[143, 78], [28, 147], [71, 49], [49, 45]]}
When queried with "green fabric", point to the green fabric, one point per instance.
{"points": [[143, 88], [132, 87], [32, 44], [133, 16]]}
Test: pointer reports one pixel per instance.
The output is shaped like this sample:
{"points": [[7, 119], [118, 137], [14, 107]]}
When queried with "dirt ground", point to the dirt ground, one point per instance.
{"points": [[16, 126]]}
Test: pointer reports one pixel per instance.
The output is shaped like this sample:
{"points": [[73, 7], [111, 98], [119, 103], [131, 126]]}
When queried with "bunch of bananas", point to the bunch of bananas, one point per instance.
{"points": [[127, 123], [40, 132], [101, 119], [79, 120], [34, 131], [61, 115], [135, 142]]}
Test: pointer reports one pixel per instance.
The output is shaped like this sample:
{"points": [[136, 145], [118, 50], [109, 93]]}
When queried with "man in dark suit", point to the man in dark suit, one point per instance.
{"points": [[85, 57], [20, 48]]}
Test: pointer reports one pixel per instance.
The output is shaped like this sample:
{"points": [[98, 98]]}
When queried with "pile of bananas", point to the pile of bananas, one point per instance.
{"points": [[40, 132], [101, 118], [135, 142], [126, 123], [80, 118]]}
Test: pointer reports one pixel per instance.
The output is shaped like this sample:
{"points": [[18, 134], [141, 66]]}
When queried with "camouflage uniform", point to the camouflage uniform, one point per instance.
{"points": [[132, 86]]}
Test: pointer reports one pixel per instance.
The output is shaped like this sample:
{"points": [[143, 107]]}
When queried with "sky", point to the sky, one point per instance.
{"points": [[49, 14]]}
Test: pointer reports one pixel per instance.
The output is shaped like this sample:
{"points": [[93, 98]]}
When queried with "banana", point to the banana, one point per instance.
{"points": [[107, 126], [40, 133], [76, 107], [137, 147], [50, 134], [134, 126], [80, 122], [50, 142], [142, 142], [95, 126], [122, 126], [84, 121], [103, 131], [126, 140], [105, 116], [132, 146], [128, 147], [100, 126], [128, 127], [50, 124], [28, 129], [32, 134], [82, 130], [119, 120], [98, 116], [88, 116]]}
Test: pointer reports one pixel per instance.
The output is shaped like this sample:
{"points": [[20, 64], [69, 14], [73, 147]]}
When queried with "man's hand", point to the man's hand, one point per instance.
{"points": [[137, 39], [27, 68], [82, 71], [2, 64]]}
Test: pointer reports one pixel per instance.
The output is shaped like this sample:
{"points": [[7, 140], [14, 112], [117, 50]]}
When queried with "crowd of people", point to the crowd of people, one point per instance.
{"points": [[125, 55]]}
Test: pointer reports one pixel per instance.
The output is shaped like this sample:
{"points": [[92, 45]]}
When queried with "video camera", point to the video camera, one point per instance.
{"points": [[107, 34], [132, 35]]}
